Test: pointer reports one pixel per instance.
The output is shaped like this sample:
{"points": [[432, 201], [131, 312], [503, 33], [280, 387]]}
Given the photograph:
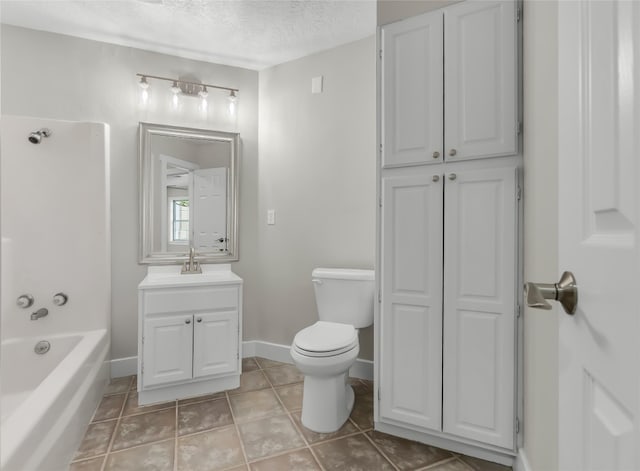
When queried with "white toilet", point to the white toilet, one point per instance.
{"points": [[325, 351]]}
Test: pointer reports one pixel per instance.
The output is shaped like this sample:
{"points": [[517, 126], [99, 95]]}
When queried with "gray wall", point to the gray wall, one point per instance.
{"points": [[316, 165], [317, 170], [81, 80]]}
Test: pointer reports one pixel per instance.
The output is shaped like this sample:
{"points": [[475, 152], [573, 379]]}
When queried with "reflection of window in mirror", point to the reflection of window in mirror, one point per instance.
{"points": [[179, 220]]}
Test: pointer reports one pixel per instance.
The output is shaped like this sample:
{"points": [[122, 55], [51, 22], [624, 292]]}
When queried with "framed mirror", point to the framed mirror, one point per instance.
{"points": [[188, 194]]}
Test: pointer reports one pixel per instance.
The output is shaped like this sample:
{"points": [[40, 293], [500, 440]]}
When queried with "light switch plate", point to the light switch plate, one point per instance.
{"points": [[271, 217], [316, 84]]}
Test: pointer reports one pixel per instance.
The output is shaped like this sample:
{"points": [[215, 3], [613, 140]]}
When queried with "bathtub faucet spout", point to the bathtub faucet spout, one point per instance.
{"points": [[39, 313]]}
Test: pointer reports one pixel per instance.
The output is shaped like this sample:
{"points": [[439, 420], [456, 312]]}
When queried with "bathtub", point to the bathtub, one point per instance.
{"points": [[47, 400]]}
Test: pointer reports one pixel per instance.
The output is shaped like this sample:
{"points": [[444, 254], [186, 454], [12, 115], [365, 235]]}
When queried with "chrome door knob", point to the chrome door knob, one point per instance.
{"points": [[452, 176], [564, 291], [435, 178], [436, 154], [453, 152]]}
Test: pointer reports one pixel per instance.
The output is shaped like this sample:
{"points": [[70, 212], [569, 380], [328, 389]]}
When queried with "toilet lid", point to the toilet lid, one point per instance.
{"points": [[326, 337]]}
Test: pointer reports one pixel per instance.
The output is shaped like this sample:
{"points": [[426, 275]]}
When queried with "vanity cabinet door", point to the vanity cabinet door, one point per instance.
{"points": [[411, 87], [411, 299], [215, 343], [480, 304], [481, 71], [167, 346]]}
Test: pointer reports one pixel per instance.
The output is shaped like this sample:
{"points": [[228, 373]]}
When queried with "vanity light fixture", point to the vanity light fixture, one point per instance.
{"points": [[187, 88]]}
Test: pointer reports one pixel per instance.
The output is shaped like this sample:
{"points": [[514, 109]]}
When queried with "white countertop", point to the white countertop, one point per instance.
{"points": [[168, 276]]}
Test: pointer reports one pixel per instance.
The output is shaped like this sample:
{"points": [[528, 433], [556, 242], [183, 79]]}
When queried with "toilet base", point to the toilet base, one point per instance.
{"points": [[327, 402]]}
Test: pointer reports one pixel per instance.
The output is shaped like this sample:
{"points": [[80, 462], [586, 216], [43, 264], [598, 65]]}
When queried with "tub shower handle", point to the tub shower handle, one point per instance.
{"points": [[60, 299], [39, 313], [25, 301]]}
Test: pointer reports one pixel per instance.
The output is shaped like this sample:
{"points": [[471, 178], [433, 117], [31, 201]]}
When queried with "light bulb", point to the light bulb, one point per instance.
{"points": [[144, 96], [143, 83], [232, 102]]}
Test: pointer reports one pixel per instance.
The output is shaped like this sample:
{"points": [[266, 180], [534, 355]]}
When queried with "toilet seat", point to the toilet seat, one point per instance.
{"points": [[325, 339]]}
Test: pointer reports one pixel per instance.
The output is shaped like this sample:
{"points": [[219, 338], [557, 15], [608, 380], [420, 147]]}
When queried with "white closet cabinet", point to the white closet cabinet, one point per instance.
{"points": [[449, 190], [411, 85], [481, 71], [448, 304], [459, 63], [480, 304], [411, 286]]}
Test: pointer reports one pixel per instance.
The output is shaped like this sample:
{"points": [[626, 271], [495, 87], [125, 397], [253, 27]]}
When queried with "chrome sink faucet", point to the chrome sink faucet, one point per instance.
{"points": [[39, 313], [191, 266]]}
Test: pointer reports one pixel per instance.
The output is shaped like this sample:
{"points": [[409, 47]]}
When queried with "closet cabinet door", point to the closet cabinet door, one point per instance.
{"points": [[411, 87], [480, 79], [479, 305], [411, 300]]}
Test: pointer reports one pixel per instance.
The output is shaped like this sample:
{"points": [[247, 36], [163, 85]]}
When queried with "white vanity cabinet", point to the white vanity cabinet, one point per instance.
{"points": [[189, 333], [459, 62], [449, 189]]}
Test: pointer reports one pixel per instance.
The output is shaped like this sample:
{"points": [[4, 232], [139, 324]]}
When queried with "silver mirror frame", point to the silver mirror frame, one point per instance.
{"points": [[145, 133]]}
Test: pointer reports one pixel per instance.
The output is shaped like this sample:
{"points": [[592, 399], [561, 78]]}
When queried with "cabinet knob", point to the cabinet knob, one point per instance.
{"points": [[436, 154], [453, 152], [452, 176], [187, 321], [435, 178], [199, 319]]}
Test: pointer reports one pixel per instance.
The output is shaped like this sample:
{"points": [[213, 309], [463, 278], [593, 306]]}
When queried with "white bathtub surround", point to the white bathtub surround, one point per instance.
{"points": [[55, 221], [45, 411], [55, 225]]}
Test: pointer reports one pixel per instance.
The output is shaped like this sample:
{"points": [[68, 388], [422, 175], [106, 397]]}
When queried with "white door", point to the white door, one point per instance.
{"points": [[411, 308], [480, 304], [215, 343], [209, 209], [167, 349], [412, 91], [480, 79], [599, 200]]}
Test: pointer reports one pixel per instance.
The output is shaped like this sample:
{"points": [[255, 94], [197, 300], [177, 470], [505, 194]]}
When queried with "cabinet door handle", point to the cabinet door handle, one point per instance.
{"points": [[435, 178], [199, 319], [187, 321], [453, 152], [436, 154], [452, 176]]}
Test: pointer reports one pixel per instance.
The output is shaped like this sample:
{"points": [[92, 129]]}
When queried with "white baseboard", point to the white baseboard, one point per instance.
{"points": [[521, 463], [124, 367], [362, 369]]}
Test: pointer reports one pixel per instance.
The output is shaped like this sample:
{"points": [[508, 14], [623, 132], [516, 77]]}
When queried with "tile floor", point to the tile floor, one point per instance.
{"points": [[255, 427]]}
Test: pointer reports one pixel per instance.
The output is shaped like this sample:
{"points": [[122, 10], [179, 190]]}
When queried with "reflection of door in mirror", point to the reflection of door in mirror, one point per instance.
{"points": [[174, 185], [210, 209]]}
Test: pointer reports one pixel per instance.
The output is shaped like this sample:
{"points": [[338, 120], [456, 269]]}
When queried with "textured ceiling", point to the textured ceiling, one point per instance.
{"points": [[245, 33]]}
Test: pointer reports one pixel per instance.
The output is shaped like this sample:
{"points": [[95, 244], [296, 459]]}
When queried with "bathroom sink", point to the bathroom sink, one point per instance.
{"points": [[169, 276]]}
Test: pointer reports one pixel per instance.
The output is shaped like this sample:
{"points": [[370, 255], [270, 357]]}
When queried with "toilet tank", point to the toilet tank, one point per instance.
{"points": [[344, 295]]}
